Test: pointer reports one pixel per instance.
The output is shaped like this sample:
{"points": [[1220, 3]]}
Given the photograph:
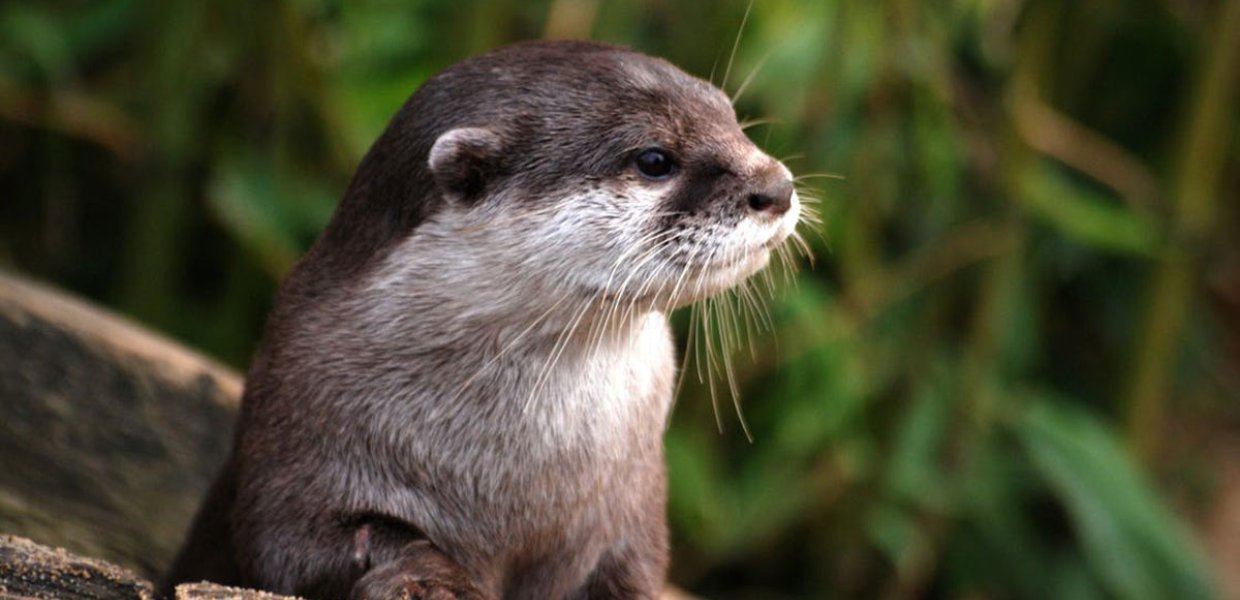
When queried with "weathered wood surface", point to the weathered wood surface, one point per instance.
{"points": [[210, 591], [109, 436], [28, 570], [31, 571]]}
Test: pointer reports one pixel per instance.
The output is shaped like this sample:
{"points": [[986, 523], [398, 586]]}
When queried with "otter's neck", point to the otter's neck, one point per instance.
{"points": [[442, 323]]}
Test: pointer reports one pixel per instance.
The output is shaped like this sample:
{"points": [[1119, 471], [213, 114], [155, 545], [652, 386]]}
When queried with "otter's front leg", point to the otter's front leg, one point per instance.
{"points": [[636, 569], [419, 571], [625, 577]]}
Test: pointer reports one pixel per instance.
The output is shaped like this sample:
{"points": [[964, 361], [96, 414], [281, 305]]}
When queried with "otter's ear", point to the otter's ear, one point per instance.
{"points": [[463, 159]]}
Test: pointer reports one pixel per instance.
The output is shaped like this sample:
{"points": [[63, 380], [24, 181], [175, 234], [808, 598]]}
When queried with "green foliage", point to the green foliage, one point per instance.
{"points": [[965, 397], [1126, 536], [1089, 217]]}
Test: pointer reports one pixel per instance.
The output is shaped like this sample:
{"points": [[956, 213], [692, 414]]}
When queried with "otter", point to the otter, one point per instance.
{"points": [[462, 387]]}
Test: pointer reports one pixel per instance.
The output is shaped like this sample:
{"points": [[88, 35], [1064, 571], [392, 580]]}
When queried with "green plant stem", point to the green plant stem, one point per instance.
{"points": [[1209, 128], [153, 243]]}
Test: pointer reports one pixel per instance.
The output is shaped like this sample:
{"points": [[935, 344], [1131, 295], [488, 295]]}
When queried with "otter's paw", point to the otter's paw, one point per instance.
{"points": [[421, 573], [408, 589]]}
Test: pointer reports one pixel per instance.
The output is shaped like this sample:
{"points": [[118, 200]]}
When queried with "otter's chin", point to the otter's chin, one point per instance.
{"points": [[711, 279]]}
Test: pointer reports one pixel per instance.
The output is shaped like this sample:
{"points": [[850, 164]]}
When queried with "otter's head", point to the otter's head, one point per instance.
{"points": [[594, 169]]}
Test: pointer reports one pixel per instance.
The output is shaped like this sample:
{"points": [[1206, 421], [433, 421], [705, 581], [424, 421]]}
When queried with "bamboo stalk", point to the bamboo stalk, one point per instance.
{"points": [[1209, 129], [152, 244]]}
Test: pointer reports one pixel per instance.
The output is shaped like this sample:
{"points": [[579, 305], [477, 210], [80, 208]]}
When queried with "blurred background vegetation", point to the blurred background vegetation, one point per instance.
{"points": [[1013, 372]]}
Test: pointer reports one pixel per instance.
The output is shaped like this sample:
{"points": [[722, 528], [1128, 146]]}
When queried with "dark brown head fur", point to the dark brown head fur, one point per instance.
{"points": [[562, 110]]}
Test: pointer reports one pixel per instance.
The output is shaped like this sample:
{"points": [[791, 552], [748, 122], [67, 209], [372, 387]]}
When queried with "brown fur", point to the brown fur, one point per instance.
{"points": [[381, 449]]}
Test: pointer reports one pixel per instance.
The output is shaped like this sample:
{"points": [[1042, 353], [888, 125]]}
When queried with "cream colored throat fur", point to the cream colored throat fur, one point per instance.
{"points": [[488, 292]]}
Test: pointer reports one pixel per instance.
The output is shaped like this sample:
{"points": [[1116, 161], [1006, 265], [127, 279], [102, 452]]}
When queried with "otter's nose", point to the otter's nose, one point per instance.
{"points": [[775, 197]]}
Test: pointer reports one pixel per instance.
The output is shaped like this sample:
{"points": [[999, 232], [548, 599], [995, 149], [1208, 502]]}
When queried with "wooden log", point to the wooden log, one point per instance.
{"points": [[210, 591], [28, 570], [109, 434]]}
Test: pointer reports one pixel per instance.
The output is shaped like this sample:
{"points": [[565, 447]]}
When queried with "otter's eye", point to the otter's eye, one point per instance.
{"points": [[655, 164]]}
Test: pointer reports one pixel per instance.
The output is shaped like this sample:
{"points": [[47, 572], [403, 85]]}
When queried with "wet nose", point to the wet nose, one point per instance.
{"points": [[773, 197]]}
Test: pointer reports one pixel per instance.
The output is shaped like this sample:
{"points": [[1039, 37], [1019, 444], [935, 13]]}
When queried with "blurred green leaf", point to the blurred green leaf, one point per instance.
{"points": [[1000, 544], [368, 105], [898, 535], [35, 34], [913, 472], [1136, 547], [272, 213], [1087, 216]]}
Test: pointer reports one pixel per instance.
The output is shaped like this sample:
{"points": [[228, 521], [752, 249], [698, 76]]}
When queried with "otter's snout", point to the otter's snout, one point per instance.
{"points": [[772, 194]]}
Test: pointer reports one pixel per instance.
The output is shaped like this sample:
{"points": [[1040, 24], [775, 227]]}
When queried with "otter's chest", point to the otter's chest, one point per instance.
{"points": [[580, 457], [584, 422], [605, 398]]}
